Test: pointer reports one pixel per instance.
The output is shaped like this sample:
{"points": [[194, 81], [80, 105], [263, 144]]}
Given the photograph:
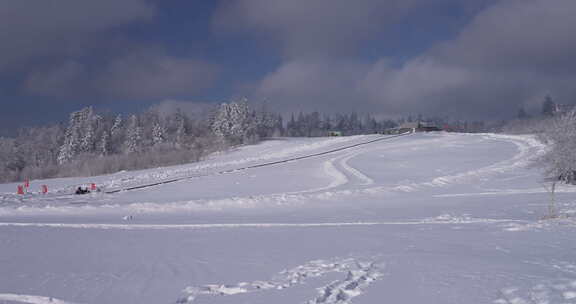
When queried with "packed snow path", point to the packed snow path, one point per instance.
{"points": [[266, 164], [425, 218]]}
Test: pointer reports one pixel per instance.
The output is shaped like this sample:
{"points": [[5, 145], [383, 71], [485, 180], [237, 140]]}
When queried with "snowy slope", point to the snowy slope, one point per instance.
{"points": [[422, 218]]}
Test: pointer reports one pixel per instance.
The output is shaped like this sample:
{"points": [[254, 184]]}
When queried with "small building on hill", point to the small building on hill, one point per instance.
{"points": [[413, 127]]}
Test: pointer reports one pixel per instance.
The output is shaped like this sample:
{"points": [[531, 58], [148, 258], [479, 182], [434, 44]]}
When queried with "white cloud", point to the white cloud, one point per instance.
{"points": [[328, 85]]}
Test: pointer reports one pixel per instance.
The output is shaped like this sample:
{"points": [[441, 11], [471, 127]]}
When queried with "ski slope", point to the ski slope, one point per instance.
{"points": [[421, 218]]}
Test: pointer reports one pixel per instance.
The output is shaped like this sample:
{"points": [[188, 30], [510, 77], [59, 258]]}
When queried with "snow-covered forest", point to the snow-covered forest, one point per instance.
{"points": [[556, 127], [92, 143]]}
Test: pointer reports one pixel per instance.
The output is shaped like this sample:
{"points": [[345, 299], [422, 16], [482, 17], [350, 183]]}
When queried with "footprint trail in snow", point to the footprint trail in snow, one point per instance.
{"points": [[358, 276]]}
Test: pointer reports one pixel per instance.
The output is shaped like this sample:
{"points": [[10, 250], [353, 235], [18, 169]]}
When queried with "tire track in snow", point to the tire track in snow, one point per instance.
{"points": [[359, 275], [28, 299], [365, 180], [339, 176]]}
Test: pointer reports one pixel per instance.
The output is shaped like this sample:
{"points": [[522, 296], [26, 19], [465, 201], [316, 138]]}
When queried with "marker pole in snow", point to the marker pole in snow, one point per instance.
{"points": [[20, 189]]}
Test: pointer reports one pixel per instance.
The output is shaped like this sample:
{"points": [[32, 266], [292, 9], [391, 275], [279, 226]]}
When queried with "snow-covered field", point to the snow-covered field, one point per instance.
{"points": [[423, 218]]}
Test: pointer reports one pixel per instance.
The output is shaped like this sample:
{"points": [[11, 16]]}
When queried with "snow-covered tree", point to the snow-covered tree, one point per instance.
{"points": [[158, 134], [69, 147], [234, 122], [560, 160], [80, 136], [133, 135], [104, 147], [180, 131], [116, 126]]}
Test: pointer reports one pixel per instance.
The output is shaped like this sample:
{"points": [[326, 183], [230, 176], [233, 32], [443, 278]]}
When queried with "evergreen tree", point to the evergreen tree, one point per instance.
{"points": [[116, 126], [234, 122], [157, 134], [70, 146], [133, 135], [104, 144]]}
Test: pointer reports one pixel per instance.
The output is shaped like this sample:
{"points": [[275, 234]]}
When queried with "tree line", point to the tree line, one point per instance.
{"points": [[92, 143]]}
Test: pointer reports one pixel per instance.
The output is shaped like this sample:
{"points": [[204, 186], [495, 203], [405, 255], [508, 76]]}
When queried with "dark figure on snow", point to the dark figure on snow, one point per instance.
{"points": [[82, 191]]}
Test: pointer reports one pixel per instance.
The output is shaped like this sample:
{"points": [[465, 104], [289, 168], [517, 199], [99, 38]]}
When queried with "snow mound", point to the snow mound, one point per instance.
{"points": [[17, 298]]}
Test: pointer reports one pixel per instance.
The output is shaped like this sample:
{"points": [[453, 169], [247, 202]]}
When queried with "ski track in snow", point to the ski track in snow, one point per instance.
{"points": [[338, 170], [365, 180], [445, 219], [359, 275], [28, 299]]}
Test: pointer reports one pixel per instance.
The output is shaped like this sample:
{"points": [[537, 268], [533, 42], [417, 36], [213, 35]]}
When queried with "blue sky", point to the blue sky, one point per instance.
{"points": [[470, 59]]}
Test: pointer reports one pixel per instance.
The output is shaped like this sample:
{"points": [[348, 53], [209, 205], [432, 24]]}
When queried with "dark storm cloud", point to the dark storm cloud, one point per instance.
{"points": [[320, 28], [143, 74], [319, 41], [530, 34], [391, 57], [45, 28], [510, 54], [76, 49]]}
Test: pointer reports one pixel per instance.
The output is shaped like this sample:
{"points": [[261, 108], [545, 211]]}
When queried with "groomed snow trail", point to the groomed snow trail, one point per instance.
{"points": [[259, 165]]}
